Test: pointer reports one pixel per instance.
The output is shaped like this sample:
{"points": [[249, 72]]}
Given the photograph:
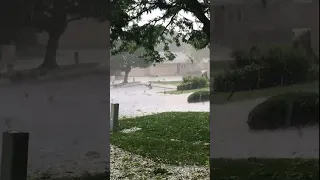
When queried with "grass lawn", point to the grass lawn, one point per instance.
{"points": [[264, 169], [178, 138], [220, 98], [186, 91], [166, 82]]}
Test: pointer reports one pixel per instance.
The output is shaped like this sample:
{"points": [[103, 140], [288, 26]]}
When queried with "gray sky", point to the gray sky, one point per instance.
{"points": [[157, 13]]}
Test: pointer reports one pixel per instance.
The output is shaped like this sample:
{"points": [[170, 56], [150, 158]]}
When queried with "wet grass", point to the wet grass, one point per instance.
{"points": [[221, 98], [178, 138], [186, 91], [264, 169]]}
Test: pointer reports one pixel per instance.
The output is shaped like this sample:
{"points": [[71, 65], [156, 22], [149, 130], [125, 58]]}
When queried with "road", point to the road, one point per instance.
{"points": [[67, 121], [139, 100], [231, 138]]}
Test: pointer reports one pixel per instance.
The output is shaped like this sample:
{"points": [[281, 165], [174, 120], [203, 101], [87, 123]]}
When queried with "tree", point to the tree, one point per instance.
{"points": [[196, 55], [169, 27], [53, 17], [128, 60], [13, 15]]}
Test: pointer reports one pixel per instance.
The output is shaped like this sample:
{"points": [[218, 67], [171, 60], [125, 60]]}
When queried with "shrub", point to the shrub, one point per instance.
{"points": [[274, 113], [274, 67], [314, 73], [199, 96], [243, 58], [193, 83], [248, 78], [288, 65]]}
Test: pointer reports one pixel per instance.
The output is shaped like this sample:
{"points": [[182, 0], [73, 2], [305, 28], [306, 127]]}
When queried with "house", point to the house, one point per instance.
{"points": [[239, 24], [180, 66]]}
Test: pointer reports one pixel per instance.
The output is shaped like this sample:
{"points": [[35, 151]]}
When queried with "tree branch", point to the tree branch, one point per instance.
{"points": [[196, 9]]}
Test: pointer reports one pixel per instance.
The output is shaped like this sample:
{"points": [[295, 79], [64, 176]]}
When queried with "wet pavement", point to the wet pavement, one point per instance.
{"points": [[67, 121], [140, 100], [231, 138]]}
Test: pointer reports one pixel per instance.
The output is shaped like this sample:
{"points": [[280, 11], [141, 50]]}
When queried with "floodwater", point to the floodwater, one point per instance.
{"points": [[231, 138], [67, 121], [140, 100]]}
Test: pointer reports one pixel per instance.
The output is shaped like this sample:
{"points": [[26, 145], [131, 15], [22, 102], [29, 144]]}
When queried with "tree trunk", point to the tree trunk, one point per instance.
{"points": [[126, 74], [51, 51]]}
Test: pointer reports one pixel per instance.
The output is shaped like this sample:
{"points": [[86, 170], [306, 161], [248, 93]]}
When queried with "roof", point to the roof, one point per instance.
{"points": [[180, 58]]}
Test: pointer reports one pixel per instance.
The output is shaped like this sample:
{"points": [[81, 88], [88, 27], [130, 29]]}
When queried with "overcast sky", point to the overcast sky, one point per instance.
{"points": [[157, 13]]}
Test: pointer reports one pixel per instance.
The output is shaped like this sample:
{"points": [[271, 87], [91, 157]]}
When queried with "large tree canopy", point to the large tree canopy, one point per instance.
{"points": [[52, 17], [169, 26]]}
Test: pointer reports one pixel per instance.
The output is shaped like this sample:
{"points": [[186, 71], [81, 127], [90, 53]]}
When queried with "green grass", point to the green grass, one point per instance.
{"points": [[186, 91], [166, 82], [220, 98], [170, 137], [264, 169]]}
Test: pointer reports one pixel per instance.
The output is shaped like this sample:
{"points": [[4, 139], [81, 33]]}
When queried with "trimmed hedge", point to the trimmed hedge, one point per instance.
{"points": [[274, 67], [193, 82], [274, 113], [199, 96]]}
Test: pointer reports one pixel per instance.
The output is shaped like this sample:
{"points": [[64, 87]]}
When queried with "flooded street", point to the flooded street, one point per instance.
{"points": [[229, 131], [140, 100], [67, 121]]}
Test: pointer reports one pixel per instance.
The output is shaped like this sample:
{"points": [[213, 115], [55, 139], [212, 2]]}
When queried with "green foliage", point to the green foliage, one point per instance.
{"points": [[241, 59], [272, 67], [54, 15], [162, 29], [314, 73], [275, 112], [193, 82], [199, 96], [128, 60]]}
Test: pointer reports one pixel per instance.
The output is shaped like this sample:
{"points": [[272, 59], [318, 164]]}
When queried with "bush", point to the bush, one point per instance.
{"points": [[274, 67], [199, 96], [314, 73], [193, 83], [244, 58], [274, 113]]}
